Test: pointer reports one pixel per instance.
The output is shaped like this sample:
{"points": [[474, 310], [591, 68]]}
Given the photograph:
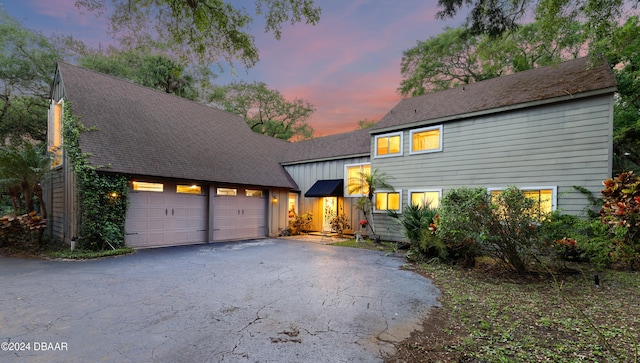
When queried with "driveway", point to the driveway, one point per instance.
{"points": [[272, 300]]}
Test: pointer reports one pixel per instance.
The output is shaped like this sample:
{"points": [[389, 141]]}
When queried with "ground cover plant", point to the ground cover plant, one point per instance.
{"points": [[492, 315]]}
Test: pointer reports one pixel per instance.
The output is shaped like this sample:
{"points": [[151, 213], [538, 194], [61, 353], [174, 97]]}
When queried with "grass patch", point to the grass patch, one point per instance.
{"points": [[491, 315], [79, 254], [369, 245]]}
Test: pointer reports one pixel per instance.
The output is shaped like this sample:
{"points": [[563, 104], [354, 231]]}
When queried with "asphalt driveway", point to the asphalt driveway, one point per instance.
{"points": [[272, 300]]}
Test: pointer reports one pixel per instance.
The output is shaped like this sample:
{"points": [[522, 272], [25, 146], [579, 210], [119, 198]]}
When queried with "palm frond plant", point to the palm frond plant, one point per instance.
{"points": [[370, 182]]}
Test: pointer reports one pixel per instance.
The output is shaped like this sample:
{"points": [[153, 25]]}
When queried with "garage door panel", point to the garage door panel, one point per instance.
{"points": [[166, 218], [239, 217]]}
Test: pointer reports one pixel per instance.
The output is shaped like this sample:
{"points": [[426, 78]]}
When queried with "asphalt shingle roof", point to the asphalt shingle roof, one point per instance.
{"points": [[565, 79], [329, 147], [142, 131]]}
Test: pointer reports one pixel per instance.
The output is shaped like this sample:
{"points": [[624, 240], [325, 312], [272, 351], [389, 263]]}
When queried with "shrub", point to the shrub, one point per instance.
{"points": [[502, 226], [300, 223], [418, 224], [621, 213], [340, 223]]}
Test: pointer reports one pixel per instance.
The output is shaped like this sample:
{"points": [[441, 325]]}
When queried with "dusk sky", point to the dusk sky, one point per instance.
{"points": [[347, 66]]}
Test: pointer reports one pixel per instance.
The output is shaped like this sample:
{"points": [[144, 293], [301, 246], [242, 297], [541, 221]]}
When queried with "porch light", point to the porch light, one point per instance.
{"points": [[274, 200]]}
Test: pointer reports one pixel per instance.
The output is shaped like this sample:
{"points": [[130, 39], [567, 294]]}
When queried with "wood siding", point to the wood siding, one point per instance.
{"points": [[564, 145], [306, 174]]}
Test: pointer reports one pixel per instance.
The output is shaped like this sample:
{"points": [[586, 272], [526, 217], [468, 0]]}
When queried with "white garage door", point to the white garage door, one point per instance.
{"points": [[165, 218], [239, 214]]}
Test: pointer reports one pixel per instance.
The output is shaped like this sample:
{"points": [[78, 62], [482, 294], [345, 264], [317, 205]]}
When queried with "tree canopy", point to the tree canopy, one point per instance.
{"points": [[201, 30], [266, 111], [27, 62]]}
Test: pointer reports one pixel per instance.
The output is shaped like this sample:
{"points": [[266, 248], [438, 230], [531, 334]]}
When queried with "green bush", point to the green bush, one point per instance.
{"points": [[300, 223], [340, 224], [503, 226], [419, 226]]}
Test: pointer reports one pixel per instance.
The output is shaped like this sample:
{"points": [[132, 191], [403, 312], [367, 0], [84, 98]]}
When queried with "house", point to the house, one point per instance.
{"points": [[201, 175]]}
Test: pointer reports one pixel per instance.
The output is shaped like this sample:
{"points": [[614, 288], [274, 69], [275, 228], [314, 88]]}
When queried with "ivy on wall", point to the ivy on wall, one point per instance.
{"points": [[102, 197]]}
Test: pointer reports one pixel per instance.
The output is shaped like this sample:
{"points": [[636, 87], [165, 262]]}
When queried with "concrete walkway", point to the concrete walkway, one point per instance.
{"points": [[272, 300]]}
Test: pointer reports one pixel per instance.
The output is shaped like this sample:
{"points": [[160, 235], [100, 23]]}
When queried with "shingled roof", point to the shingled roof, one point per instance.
{"points": [[566, 80], [142, 131], [349, 144]]}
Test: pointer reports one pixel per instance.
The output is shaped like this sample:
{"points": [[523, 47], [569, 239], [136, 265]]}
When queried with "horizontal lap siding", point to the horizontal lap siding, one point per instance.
{"points": [[559, 145]]}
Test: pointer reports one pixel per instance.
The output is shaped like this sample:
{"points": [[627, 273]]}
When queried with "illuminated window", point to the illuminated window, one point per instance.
{"points": [[385, 201], [54, 133], [429, 198], [188, 189], [426, 140], [226, 191], [389, 145], [355, 186], [293, 205], [544, 198], [147, 187], [253, 193]]}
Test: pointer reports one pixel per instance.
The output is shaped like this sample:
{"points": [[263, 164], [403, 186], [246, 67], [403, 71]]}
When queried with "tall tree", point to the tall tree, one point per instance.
{"points": [[27, 61], [366, 123], [266, 111], [457, 56], [203, 30]]}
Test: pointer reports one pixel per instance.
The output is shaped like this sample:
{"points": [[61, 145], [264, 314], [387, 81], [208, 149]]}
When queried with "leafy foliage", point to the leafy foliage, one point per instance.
{"points": [[371, 182], [102, 196], [266, 111], [27, 60], [503, 226], [22, 169], [419, 226], [300, 223], [340, 224], [200, 30]]}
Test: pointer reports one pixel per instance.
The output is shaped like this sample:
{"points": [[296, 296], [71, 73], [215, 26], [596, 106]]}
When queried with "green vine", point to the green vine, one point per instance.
{"points": [[102, 197]]}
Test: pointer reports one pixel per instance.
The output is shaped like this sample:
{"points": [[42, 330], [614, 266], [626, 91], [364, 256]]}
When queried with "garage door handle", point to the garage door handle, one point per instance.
{"points": [[171, 211], [166, 211]]}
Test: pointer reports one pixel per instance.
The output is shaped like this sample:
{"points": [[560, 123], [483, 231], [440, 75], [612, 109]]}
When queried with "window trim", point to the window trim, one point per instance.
{"points": [[375, 195], [421, 190], [346, 180], [554, 192], [228, 192], [440, 129], [375, 145], [145, 186], [55, 142]]}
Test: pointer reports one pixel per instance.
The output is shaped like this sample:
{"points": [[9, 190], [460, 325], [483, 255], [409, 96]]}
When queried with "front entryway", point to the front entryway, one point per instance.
{"points": [[329, 211]]}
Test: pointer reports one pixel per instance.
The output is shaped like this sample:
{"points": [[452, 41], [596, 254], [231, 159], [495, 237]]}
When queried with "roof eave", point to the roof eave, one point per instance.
{"points": [[286, 163], [546, 101]]}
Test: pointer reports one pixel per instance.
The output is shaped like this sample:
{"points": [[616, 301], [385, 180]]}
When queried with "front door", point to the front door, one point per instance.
{"points": [[329, 211]]}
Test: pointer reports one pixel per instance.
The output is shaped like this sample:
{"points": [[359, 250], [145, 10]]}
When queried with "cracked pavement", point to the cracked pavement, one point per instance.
{"points": [[272, 300]]}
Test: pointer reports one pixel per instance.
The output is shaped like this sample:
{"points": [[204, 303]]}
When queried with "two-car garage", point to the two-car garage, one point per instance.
{"points": [[167, 214]]}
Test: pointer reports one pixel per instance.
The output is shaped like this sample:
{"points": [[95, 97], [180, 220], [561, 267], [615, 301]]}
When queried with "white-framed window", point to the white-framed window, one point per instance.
{"points": [[544, 196], [54, 133], [387, 200], [425, 197], [426, 140], [354, 183], [388, 145]]}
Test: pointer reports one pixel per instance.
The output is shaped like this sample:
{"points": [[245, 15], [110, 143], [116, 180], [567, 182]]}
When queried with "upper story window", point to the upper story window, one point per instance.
{"points": [[389, 145], [388, 201], [355, 185], [429, 198], [544, 198], [54, 133], [426, 140]]}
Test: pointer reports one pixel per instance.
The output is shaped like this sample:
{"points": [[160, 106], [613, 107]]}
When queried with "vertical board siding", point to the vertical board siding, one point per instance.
{"points": [[566, 144], [306, 174]]}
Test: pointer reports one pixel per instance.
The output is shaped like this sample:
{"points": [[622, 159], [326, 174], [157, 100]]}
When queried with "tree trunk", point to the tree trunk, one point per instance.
{"points": [[37, 190]]}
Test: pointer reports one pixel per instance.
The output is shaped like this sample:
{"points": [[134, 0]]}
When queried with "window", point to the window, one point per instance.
{"points": [[54, 133], [430, 198], [355, 185], [293, 205], [253, 193], [389, 145], [227, 191], [147, 187], [188, 189], [385, 201], [426, 140], [545, 197]]}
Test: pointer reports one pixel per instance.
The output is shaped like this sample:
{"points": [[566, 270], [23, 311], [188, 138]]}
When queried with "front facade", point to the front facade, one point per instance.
{"points": [[545, 131]]}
